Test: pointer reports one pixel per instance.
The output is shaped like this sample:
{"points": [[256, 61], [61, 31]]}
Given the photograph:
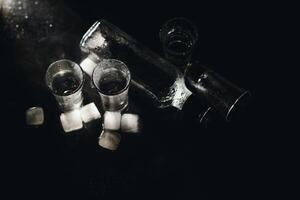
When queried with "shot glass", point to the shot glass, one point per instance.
{"points": [[64, 78], [112, 78], [179, 37]]}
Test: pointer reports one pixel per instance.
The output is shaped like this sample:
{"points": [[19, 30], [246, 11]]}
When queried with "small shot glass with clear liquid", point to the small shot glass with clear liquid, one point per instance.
{"points": [[178, 37], [64, 78], [112, 78]]}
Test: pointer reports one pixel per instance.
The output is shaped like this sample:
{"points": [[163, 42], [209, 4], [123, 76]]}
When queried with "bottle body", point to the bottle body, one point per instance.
{"points": [[156, 79]]}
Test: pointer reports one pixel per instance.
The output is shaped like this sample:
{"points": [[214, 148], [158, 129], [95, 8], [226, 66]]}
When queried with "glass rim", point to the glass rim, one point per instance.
{"points": [[69, 62], [128, 80], [186, 20]]}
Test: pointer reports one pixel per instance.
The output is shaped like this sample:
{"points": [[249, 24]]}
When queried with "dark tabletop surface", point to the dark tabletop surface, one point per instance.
{"points": [[165, 160]]}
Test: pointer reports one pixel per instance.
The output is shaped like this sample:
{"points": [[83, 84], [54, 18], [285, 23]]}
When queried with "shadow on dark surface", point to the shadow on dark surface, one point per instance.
{"points": [[167, 159]]}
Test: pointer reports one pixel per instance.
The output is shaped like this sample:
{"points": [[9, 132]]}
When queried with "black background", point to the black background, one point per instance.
{"points": [[226, 159]]}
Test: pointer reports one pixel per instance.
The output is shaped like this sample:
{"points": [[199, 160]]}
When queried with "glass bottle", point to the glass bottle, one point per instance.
{"points": [[153, 78]]}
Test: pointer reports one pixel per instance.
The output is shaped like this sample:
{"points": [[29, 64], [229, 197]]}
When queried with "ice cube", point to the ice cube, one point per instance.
{"points": [[112, 120], [71, 120], [130, 123], [109, 139], [35, 116], [88, 66], [89, 113]]}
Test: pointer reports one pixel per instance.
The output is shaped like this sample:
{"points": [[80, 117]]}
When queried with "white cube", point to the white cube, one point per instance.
{"points": [[130, 123], [35, 116], [112, 120], [109, 140], [88, 66], [89, 113], [71, 120]]}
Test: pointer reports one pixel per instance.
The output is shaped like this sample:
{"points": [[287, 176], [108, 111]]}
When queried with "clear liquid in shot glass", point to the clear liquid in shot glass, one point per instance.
{"points": [[112, 84], [179, 44], [65, 84]]}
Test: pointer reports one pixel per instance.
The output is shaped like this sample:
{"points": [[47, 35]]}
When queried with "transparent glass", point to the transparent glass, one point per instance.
{"points": [[112, 78], [64, 78], [179, 37]]}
